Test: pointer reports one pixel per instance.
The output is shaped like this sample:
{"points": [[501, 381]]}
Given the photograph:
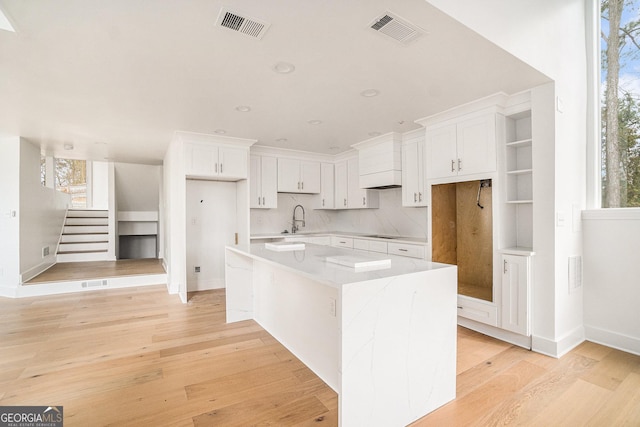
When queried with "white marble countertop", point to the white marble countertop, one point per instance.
{"points": [[311, 262], [368, 236]]}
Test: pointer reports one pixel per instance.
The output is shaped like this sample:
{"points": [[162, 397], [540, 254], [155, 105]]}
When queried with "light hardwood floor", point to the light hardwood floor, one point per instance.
{"points": [[138, 356], [70, 271]]}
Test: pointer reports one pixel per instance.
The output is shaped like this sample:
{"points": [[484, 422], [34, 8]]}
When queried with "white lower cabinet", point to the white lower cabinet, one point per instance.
{"points": [[478, 310], [342, 242], [516, 279], [406, 249], [370, 245]]}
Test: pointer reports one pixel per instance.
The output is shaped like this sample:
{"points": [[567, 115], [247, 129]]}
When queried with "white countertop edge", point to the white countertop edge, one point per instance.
{"points": [[398, 239]]}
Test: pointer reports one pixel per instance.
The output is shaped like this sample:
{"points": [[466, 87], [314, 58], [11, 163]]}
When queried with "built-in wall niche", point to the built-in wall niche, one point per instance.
{"points": [[519, 179], [137, 234], [462, 234]]}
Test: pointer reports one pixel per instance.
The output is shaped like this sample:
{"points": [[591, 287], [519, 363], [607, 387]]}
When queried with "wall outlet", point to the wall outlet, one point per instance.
{"points": [[45, 251], [196, 269], [332, 306]]}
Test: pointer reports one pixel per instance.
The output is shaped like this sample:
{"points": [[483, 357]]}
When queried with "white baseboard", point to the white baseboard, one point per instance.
{"points": [[205, 285], [492, 331], [46, 264], [613, 339], [560, 347], [7, 291]]}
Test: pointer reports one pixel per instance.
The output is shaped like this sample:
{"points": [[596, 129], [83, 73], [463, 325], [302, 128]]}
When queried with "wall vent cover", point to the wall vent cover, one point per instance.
{"points": [[396, 28], [242, 23]]}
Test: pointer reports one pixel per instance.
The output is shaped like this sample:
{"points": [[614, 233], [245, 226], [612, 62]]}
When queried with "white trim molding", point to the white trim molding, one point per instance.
{"points": [[613, 339], [612, 214]]}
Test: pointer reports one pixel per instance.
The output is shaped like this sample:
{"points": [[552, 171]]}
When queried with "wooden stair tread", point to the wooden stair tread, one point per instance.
{"points": [[82, 252]]}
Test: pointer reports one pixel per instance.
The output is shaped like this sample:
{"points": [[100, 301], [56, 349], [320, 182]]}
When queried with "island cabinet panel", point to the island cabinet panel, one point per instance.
{"points": [[384, 340]]}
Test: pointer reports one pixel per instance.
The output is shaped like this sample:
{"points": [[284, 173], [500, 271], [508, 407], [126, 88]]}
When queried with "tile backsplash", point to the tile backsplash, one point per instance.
{"points": [[390, 218]]}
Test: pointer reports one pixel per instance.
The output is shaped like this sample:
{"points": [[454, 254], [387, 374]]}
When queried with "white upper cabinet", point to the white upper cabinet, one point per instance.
{"points": [[413, 176], [341, 185], [264, 182], [463, 147], [348, 193], [358, 198], [327, 187], [298, 176], [214, 161]]}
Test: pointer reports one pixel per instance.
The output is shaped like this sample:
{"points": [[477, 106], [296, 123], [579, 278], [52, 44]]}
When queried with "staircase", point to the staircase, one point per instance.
{"points": [[85, 236]]}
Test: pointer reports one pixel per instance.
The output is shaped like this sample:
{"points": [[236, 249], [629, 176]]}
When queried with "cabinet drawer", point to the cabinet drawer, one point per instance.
{"points": [[342, 242], [321, 240], [405, 249], [361, 244], [376, 246], [478, 310]]}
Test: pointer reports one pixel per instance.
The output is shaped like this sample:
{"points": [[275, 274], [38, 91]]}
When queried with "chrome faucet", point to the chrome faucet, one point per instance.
{"points": [[294, 226]]}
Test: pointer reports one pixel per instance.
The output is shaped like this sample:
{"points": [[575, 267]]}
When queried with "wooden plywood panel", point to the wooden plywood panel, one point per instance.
{"points": [[444, 230], [474, 239]]}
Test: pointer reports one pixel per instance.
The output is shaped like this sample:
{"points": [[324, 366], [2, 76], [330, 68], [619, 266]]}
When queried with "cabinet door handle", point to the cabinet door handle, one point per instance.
{"points": [[505, 265], [220, 167], [419, 197], [258, 201], [323, 202], [302, 185], [216, 168], [415, 197], [403, 250], [263, 201], [364, 201], [459, 165], [345, 202], [453, 162]]}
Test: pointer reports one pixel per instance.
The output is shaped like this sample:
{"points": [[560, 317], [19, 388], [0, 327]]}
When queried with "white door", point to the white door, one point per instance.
{"points": [[289, 175], [410, 179], [515, 294], [200, 159], [341, 185], [442, 154], [356, 197], [233, 162], [477, 145], [269, 182], [310, 177], [211, 225], [327, 194], [255, 182]]}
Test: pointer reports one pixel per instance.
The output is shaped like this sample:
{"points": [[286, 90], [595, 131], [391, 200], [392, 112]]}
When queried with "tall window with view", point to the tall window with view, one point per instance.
{"points": [[71, 178], [620, 102]]}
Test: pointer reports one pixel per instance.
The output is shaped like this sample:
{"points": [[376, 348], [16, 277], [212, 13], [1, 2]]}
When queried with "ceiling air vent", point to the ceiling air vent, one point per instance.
{"points": [[397, 28], [241, 23]]}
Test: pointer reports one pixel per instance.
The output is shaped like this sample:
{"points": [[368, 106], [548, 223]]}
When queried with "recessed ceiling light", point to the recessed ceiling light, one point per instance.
{"points": [[314, 122], [284, 68], [68, 147], [334, 147], [374, 134], [281, 140], [220, 131], [243, 108], [370, 93]]}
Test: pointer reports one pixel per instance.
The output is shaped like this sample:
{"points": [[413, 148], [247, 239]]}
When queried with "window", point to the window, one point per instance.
{"points": [[620, 103], [71, 178]]}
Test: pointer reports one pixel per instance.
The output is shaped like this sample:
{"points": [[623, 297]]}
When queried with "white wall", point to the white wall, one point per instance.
{"points": [[9, 219], [42, 213], [611, 278], [137, 187], [550, 36], [390, 218], [174, 187], [100, 185]]}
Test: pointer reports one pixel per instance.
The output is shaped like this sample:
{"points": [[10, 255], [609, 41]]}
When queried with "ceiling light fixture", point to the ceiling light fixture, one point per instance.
{"points": [[68, 147], [369, 93], [284, 68], [315, 122], [243, 108], [220, 131], [374, 134], [334, 147], [282, 140]]}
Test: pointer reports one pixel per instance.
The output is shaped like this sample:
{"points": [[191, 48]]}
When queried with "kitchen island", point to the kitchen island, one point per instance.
{"points": [[383, 337]]}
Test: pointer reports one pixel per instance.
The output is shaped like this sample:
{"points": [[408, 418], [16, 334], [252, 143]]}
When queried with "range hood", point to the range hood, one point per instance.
{"points": [[380, 161]]}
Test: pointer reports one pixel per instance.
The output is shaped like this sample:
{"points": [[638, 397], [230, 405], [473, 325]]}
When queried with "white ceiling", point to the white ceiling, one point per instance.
{"points": [[116, 78]]}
